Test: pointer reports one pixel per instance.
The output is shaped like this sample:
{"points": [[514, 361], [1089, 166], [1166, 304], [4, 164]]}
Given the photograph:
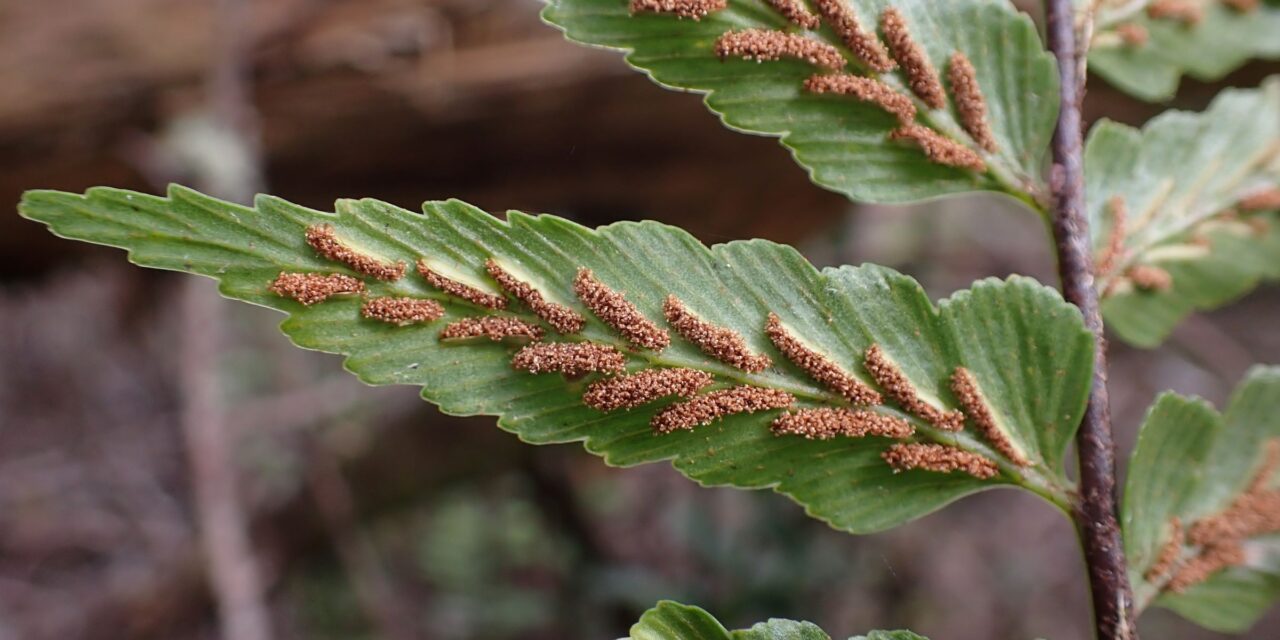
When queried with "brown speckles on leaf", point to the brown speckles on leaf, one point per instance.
{"points": [[825, 423], [696, 9], [645, 386], [460, 290], [570, 358], [865, 45], [939, 458], [896, 385], [560, 317], [614, 310], [796, 13], [1149, 278], [940, 149], [818, 366], [1262, 201], [921, 75], [324, 240], [310, 288], [969, 101], [723, 344], [965, 386], [709, 407], [763, 44], [402, 311], [866, 90], [495, 328], [1188, 12]]}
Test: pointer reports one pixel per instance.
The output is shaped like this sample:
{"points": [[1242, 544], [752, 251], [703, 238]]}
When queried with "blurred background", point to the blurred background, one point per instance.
{"points": [[170, 467]]}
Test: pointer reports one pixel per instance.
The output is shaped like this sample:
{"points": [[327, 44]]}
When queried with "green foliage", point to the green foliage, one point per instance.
{"points": [[1025, 346], [843, 142], [1181, 179], [1192, 463], [674, 621], [1223, 40]]}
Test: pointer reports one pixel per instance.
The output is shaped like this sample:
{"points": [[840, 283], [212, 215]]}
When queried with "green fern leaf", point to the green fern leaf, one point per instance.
{"points": [[674, 621]]}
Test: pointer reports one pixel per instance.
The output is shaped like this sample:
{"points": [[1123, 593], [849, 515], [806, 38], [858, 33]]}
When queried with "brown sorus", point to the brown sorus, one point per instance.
{"points": [[402, 311], [818, 366], [1149, 278], [570, 358], [763, 44], [645, 386], [1133, 34], [495, 328], [1253, 512], [709, 407], [1261, 201], [1243, 6], [1211, 559], [866, 90], [939, 148], [975, 405], [460, 290], [826, 423], [1115, 242], [325, 241], [310, 288], [725, 345], [696, 9], [560, 317], [1168, 555], [969, 101], [796, 13], [614, 310], [1188, 12], [896, 385], [866, 46], [940, 458], [921, 75]]}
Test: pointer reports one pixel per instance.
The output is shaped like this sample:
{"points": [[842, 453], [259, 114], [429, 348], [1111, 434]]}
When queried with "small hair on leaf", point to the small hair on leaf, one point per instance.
{"points": [[939, 458], [866, 90], [495, 328], [614, 310], [818, 366], [796, 13], [709, 407], [940, 149], [864, 45], [573, 359], [324, 240], [645, 386], [402, 311], [725, 345], [310, 288], [695, 9], [971, 105], [921, 76], [460, 290], [763, 44], [825, 423], [561, 318], [898, 387], [965, 387]]}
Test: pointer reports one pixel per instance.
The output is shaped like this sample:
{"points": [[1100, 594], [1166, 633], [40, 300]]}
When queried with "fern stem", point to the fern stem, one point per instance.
{"points": [[1095, 510]]}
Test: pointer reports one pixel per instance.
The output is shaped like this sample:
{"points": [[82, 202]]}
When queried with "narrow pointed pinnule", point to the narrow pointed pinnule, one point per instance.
{"points": [[940, 149], [709, 407], [1114, 251], [695, 9], [570, 358], [866, 90], [402, 311], [921, 76], [561, 318], [975, 405], [939, 458], [645, 386], [971, 105], [825, 423], [725, 345], [324, 240], [311, 288], [495, 328], [898, 387], [796, 13], [864, 44], [818, 366], [763, 44], [460, 290], [614, 310]]}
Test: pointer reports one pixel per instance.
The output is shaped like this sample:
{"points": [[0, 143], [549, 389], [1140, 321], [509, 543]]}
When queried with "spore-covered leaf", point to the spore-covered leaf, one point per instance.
{"points": [[1201, 509], [674, 621], [1147, 56], [1024, 352], [1184, 211], [846, 143]]}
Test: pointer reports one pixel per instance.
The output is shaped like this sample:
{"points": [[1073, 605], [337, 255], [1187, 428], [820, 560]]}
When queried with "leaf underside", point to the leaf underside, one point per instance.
{"points": [[1191, 463], [1225, 39], [1025, 346], [673, 621], [842, 142], [1181, 179]]}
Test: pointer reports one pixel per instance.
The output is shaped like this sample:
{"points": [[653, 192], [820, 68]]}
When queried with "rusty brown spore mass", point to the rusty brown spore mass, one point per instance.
{"points": [[898, 387], [310, 288], [614, 310], [495, 328], [1261, 201], [965, 387], [1168, 555], [695, 9], [1114, 250], [573, 359], [725, 345], [939, 458], [402, 311], [796, 13], [324, 240], [939, 148], [460, 290], [763, 44], [1188, 12], [921, 76], [818, 366], [560, 317], [645, 386], [971, 105], [825, 423], [709, 407], [1149, 277], [866, 90], [864, 45]]}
